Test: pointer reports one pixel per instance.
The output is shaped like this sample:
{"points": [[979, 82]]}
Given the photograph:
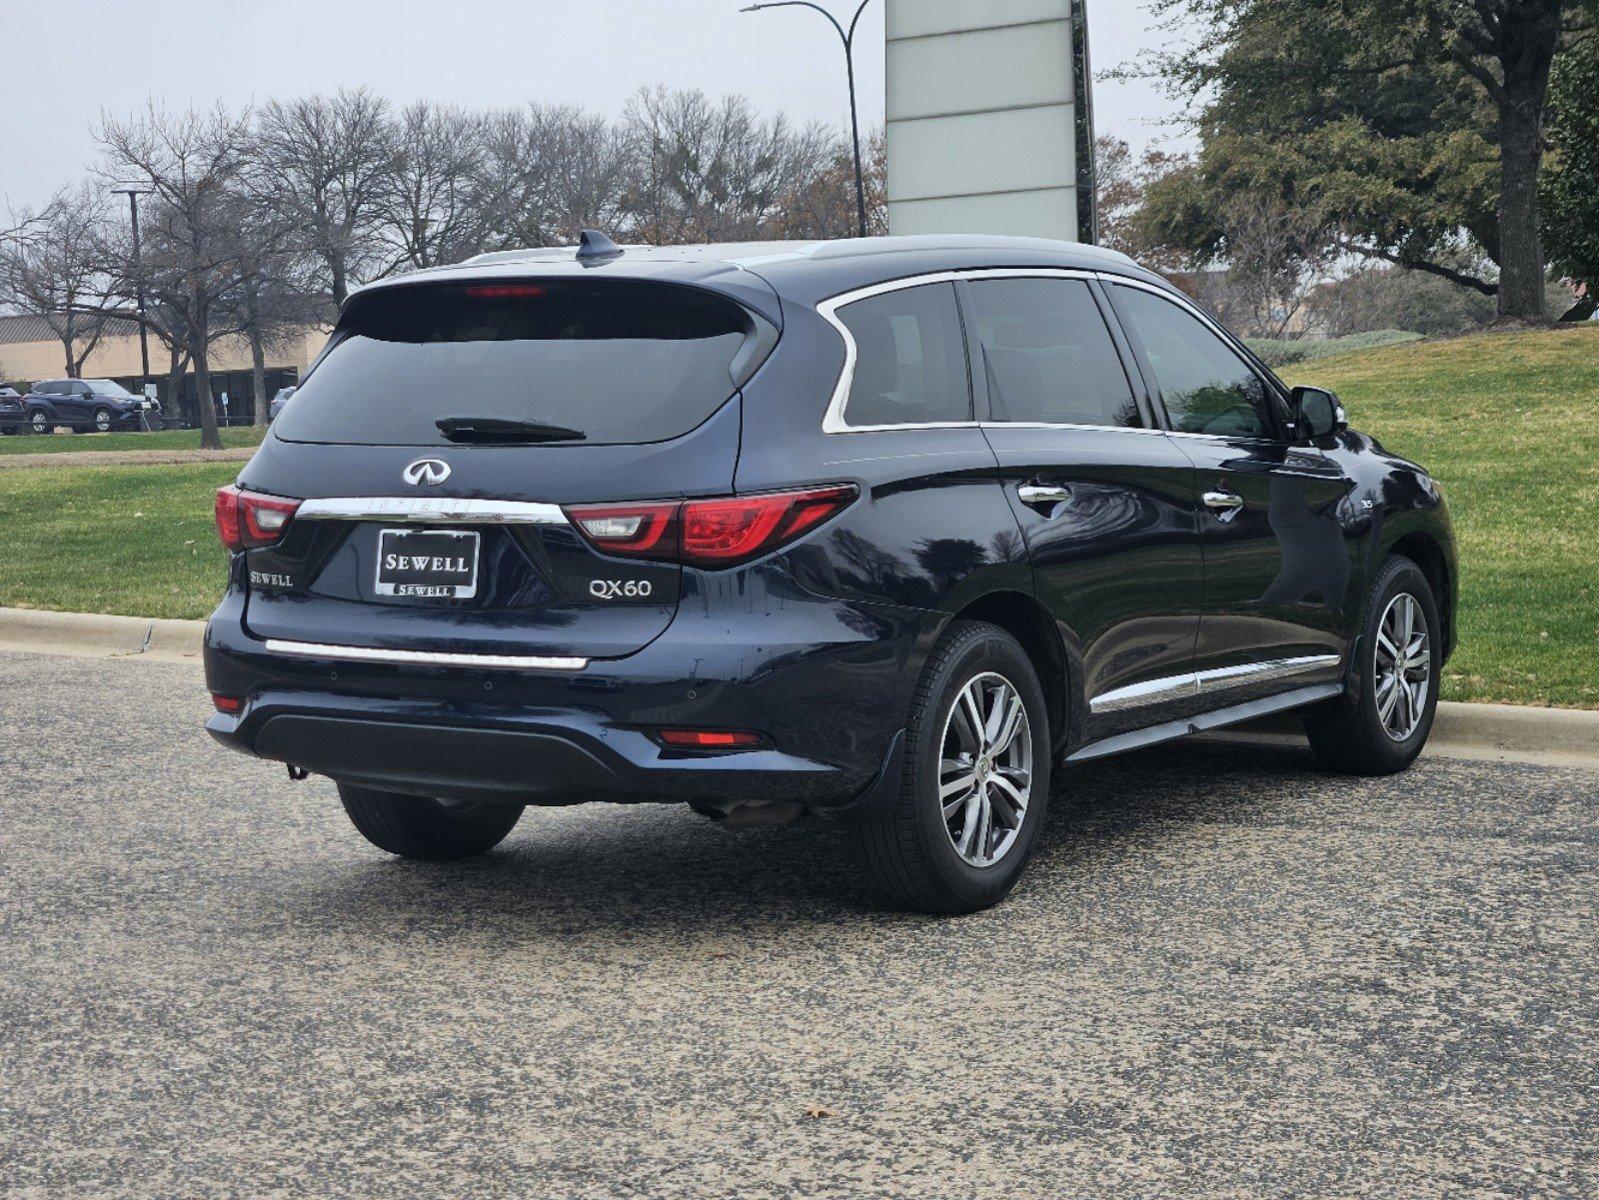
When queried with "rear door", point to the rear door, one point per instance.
{"points": [[458, 539], [1104, 499], [1276, 561]]}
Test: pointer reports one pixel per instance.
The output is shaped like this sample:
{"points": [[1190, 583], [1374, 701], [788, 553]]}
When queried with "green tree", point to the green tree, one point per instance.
{"points": [[1407, 122], [1570, 191]]}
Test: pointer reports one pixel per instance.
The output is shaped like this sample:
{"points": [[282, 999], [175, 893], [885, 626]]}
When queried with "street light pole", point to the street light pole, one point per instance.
{"points": [[133, 192], [848, 38]]}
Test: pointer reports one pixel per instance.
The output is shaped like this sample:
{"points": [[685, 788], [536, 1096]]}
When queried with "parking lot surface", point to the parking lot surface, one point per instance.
{"points": [[1224, 975]]}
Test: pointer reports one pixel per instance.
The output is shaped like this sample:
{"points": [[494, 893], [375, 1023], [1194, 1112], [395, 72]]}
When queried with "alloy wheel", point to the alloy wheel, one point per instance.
{"points": [[985, 769], [1402, 667], [41, 423]]}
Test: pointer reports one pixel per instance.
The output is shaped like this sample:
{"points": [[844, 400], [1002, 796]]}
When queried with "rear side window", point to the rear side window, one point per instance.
{"points": [[620, 361], [1206, 387], [1048, 355], [910, 361]]}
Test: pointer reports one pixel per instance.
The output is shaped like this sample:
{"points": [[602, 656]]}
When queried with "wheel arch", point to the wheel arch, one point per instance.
{"points": [[1025, 619], [1427, 553]]}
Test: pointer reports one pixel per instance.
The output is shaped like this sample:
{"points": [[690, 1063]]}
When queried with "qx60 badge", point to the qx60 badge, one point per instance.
{"points": [[425, 472]]}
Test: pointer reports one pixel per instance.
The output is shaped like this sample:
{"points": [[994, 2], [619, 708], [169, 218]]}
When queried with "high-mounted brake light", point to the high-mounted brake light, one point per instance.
{"points": [[249, 520], [709, 533], [507, 291]]}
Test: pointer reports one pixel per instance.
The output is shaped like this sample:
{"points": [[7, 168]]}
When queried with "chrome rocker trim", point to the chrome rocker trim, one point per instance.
{"points": [[430, 510], [424, 658], [1183, 687]]}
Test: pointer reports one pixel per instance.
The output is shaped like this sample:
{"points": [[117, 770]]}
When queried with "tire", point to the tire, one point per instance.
{"points": [[431, 830], [102, 420], [39, 422], [909, 849], [1363, 731]]}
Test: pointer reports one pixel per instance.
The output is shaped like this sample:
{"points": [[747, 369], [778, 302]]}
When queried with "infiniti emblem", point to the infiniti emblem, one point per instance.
{"points": [[426, 471]]}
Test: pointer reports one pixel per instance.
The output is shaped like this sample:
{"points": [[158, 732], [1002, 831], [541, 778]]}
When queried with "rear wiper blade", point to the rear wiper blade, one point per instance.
{"points": [[501, 429]]}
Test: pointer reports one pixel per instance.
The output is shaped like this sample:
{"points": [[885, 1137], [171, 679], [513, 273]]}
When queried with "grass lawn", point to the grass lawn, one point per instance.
{"points": [[1509, 423], [138, 539], [168, 439]]}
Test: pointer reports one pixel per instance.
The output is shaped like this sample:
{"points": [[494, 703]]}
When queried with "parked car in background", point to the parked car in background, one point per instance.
{"points": [[10, 410], [84, 406], [278, 401], [875, 530]]}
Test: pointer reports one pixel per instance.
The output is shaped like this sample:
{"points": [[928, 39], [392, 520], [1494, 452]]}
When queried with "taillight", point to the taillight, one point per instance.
{"points": [[249, 520], [709, 533], [707, 739]]}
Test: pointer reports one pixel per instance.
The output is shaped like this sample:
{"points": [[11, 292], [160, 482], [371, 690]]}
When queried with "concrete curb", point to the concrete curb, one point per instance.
{"points": [[98, 636], [1495, 732]]}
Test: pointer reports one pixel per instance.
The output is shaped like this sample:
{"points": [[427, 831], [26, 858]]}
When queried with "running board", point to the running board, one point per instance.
{"points": [[1211, 720]]}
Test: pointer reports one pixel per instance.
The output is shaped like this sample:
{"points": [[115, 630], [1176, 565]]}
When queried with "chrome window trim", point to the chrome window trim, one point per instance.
{"points": [[430, 510], [428, 658], [834, 421], [1199, 683]]}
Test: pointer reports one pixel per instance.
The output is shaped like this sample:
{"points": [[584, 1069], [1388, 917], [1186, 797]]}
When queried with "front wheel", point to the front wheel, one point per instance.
{"points": [[1379, 726], [975, 780], [102, 420], [423, 828]]}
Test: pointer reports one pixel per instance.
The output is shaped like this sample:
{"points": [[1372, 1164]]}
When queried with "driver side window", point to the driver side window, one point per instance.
{"points": [[1206, 387]]}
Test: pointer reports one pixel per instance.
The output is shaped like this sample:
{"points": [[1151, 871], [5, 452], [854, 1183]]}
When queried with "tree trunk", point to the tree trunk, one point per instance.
{"points": [[1521, 262], [341, 278], [176, 365], [258, 375], [210, 437]]}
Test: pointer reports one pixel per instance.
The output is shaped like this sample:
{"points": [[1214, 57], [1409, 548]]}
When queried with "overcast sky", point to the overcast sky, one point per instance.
{"points": [[72, 58]]}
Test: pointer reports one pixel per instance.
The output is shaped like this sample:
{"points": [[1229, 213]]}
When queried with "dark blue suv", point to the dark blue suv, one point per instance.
{"points": [[877, 531]]}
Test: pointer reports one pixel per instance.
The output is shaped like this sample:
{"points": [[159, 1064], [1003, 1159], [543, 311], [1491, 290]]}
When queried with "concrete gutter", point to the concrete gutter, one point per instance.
{"points": [[1491, 732]]}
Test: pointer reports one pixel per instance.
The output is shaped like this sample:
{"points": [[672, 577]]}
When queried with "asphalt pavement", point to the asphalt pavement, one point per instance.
{"points": [[1225, 975]]}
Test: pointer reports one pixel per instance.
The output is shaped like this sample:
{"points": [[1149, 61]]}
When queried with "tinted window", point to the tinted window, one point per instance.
{"points": [[108, 387], [1048, 355], [910, 364], [78, 389], [1206, 386], [621, 361]]}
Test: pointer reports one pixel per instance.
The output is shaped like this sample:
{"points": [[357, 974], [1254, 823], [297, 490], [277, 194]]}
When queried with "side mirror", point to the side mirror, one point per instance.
{"points": [[1317, 413]]}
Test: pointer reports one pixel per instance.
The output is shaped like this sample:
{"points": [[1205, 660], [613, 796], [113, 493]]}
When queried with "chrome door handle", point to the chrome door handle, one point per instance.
{"points": [[1225, 504], [1038, 493]]}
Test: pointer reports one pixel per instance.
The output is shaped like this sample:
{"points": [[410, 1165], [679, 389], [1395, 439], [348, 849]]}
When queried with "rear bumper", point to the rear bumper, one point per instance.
{"points": [[830, 713]]}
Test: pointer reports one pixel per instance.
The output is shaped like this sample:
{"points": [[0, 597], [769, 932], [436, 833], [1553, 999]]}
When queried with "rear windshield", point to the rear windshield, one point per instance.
{"points": [[619, 361]]}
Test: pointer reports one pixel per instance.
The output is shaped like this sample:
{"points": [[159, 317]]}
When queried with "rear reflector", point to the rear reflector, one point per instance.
{"points": [[709, 533], [708, 739], [249, 520], [227, 704]]}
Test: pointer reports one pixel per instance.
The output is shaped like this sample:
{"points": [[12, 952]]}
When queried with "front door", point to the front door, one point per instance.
{"points": [[1104, 500], [1276, 561]]}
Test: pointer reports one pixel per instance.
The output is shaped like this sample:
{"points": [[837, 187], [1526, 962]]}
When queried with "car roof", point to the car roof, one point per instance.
{"points": [[806, 271]]}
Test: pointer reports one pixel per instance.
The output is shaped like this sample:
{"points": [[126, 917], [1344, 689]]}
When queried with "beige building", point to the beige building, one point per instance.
{"points": [[30, 352]]}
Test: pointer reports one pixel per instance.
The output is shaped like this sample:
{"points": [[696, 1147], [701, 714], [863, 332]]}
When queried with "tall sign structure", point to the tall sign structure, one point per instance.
{"points": [[990, 118]]}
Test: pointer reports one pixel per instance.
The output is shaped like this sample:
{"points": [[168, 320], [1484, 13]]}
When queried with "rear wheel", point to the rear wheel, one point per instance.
{"points": [[39, 421], [1381, 724], [975, 783], [422, 828]]}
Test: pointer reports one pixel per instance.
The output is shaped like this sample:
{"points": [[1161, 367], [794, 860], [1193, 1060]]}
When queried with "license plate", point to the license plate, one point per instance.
{"points": [[427, 563]]}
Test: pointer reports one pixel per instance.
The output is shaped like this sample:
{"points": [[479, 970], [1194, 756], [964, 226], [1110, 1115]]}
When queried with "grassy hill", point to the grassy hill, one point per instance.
{"points": [[1509, 423]]}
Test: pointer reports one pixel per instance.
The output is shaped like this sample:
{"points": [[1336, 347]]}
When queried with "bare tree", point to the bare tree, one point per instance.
{"points": [[822, 205], [54, 272], [1275, 252], [547, 170], [194, 255], [324, 161], [714, 170], [431, 210]]}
